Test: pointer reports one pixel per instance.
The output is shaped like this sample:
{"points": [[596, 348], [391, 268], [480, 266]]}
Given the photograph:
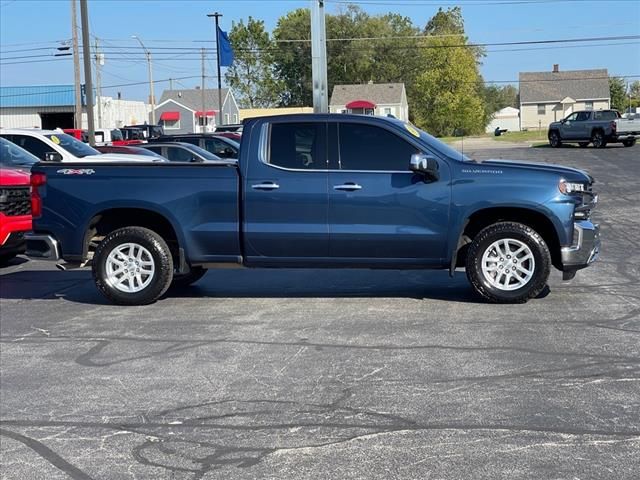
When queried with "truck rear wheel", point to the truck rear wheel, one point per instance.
{"points": [[132, 266], [598, 139], [508, 262], [629, 143], [554, 139]]}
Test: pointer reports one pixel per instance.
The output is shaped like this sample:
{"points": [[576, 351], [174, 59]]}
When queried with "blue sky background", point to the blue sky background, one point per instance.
{"points": [[26, 24]]}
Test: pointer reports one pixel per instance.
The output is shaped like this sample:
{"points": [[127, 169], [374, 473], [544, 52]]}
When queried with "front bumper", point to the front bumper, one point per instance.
{"points": [[586, 247], [42, 247]]}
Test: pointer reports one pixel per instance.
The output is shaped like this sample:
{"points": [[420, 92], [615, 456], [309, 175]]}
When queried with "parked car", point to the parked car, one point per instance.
{"points": [[53, 146], [128, 150], [148, 131], [132, 136], [78, 134], [12, 156], [181, 152], [220, 146], [234, 127], [237, 136], [597, 127], [15, 212], [326, 190]]}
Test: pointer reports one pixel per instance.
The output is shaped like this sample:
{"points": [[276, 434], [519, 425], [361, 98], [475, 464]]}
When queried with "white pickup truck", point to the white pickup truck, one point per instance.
{"points": [[56, 146], [597, 127]]}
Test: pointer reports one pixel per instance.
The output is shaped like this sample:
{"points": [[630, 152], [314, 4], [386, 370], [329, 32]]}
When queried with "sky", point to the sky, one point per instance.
{"points": [[37, 27]]}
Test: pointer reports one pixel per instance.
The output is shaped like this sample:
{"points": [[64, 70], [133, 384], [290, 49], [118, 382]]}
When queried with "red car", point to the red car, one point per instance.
{"points": [[15, 213]]}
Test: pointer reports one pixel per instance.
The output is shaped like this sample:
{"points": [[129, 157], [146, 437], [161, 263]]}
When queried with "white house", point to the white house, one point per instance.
{"points": [[547, 97], [371, 99], [506, 119]]}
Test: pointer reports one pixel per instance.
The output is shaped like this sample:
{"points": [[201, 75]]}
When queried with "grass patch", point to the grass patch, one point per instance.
{"points": [[528, 136]]}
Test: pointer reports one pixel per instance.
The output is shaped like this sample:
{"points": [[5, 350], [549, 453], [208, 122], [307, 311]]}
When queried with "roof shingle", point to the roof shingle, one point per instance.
{"points": [[378, 93], [554, 86]]}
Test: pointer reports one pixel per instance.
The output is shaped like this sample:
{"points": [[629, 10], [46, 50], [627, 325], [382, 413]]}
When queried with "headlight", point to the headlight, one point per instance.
{"points": [[570, 187]]}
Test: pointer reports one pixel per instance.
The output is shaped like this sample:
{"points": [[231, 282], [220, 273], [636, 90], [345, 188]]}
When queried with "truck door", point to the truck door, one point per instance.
{"points": [[379, 211], [285, 194], [570, 127], [582, 125]]}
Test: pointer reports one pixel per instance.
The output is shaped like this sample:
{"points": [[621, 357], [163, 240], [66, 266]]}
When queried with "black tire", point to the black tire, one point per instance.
{"points": [[521, 233], [583, 144], [160, 278], [195, 274], [629, 143], [598, 140], [554, 139]]}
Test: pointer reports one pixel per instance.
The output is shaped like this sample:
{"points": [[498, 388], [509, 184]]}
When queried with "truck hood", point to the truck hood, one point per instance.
{"points": [[572, 174], [13, 178]]}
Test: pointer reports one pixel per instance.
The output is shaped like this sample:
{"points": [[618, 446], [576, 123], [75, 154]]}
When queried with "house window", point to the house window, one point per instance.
{"points": [[171, 124], [203, 121], [387, 110], [235, 118], [588, 105], [226, 119], [542, 109]]}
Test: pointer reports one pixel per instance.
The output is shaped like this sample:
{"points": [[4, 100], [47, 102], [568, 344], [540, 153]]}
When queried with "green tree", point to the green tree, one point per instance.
{"points": [[617, 91], [252, 76], [497, 98], [449, 90], [634, 90]]}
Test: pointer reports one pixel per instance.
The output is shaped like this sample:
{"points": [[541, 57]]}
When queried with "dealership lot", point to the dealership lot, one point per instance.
{"points": [[334, 374]]}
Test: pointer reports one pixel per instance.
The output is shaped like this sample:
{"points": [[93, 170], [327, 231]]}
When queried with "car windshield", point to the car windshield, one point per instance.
{"points": [[11, 155], [436, 144], [204, 153], [71, 145], [232, 142], [116, 135]]}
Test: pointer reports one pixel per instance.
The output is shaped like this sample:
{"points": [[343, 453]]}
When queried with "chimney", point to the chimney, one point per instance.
{"points": [[556, 68]]}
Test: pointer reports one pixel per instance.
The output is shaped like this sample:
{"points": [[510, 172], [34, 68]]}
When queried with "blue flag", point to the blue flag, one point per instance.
{"points": [[226, 52]]}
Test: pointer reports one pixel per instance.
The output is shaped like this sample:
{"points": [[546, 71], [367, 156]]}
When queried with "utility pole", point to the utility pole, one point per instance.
{"points": [[86, 54], [217, 15], [171, 84], [99, 62], [152, 98], [204, 111], [319, 57], [77, 111]]}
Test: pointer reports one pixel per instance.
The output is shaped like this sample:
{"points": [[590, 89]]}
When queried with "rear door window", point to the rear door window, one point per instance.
{"points": [[582, 117], [178, 154], [298, 146]]}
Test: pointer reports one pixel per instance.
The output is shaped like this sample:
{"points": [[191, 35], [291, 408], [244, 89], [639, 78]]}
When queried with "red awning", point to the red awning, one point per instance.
{"points": [[171, 116], [209, 113], [361, 104]]}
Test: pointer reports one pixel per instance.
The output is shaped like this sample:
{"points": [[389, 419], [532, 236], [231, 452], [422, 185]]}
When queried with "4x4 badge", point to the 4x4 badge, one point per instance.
{"points": [[76, 171]]}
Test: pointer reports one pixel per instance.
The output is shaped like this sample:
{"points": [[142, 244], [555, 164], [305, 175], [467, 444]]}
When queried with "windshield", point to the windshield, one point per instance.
{"points": [[116, 135], [73, 146], [204, 153], [11, 155], [436, 144]]}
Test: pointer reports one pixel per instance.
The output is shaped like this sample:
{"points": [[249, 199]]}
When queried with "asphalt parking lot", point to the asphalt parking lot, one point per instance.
{"points": [[314, 374]]}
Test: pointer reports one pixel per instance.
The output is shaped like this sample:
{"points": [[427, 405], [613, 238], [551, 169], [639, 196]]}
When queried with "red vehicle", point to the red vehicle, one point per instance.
{"points": [[15, 213], [232, 135], [78, 134]]}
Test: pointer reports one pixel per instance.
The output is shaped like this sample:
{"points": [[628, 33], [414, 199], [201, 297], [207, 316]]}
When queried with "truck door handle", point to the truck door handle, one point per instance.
{"points": [[265, 186], [348, 187]]}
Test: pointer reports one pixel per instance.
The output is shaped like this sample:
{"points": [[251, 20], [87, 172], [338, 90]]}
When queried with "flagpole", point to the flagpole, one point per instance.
{"points": [[217, 15]]}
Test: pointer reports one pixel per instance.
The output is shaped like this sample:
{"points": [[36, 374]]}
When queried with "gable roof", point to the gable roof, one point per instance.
{"points": [[554, 86], [192, 98], [378, 93]]}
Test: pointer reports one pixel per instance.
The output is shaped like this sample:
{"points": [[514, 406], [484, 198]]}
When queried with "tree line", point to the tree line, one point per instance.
{"points": [[436, 62]]}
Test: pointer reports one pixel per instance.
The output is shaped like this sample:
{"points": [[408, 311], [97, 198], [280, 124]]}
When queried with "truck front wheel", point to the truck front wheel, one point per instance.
{"points": [[508, 262], [133, 266], [554, 139]]}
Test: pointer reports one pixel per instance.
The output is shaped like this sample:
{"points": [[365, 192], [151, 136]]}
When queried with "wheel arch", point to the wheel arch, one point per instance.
{"points": [[484, 217], [109, 219]]}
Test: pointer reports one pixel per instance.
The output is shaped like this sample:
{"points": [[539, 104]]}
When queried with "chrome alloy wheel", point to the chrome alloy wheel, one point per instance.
{"points": [[130, 268], [508, 264]]}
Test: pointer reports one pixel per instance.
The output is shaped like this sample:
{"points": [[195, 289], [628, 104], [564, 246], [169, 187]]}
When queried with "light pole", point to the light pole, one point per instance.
{"points": [[152, 97]]}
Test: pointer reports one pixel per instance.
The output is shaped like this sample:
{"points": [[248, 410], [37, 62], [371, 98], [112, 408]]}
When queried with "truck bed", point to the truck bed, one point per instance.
{"points": [[201, 201]]}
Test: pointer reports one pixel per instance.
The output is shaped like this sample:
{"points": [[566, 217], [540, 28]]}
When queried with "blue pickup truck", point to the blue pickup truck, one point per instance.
{"points": [[333, 191]]}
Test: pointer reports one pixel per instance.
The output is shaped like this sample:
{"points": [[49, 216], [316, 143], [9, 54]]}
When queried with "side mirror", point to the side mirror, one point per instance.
{"points": [[425, 165], [52, 157]]}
